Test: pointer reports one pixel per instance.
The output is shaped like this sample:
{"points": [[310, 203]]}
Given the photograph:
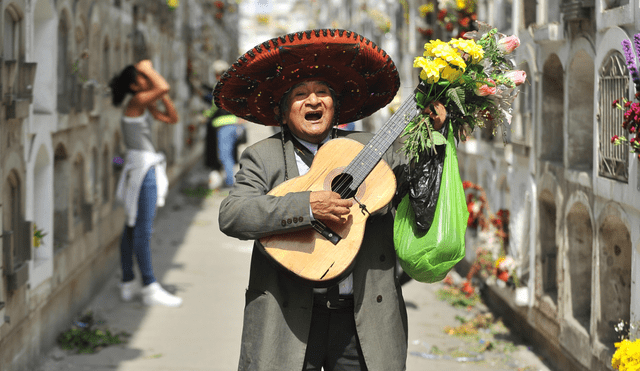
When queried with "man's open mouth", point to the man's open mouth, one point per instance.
{"points": [[313, 116]]}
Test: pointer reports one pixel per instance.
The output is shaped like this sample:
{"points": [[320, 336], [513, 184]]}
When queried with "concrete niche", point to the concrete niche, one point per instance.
{"points": [[61, 175], [580, 116], [580, 241], [615, 278], [548, 247], [552, 143]]}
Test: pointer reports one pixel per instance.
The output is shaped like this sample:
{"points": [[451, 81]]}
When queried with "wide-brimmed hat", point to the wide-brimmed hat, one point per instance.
{"points": [[360, 72]]}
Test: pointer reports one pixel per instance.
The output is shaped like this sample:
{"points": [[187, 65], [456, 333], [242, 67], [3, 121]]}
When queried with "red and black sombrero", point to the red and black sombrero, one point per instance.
{"points": [[359, 71]]}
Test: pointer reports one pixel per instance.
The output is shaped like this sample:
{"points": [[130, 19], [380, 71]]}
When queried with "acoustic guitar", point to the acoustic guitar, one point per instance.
{"points": [[323, 255]]}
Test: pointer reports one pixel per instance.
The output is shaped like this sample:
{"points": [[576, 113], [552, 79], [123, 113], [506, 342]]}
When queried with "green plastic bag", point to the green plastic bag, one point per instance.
{"points": [[429, 256]]}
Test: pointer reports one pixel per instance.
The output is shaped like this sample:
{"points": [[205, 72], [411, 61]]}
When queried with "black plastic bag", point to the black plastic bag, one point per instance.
{"points": [[424, 178]]}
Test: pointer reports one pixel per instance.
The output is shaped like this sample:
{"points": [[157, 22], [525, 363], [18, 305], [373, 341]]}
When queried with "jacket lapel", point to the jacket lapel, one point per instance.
{"points": [[292, 166]]}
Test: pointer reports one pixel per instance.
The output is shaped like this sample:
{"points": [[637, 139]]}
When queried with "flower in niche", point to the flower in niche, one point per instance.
{"points": [[426, 9], [457, 16], [631, 116], [173, 4]]}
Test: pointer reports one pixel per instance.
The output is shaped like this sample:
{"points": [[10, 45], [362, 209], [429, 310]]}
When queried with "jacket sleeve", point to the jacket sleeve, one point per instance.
{"points": [[249, 212]]}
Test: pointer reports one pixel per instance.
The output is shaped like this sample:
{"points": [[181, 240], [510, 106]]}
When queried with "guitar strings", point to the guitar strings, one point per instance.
{"points": [[394, 129], [360, 173]]}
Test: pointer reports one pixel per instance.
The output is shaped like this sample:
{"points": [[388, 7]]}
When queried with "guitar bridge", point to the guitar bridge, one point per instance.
{"points": [[326, 232]]}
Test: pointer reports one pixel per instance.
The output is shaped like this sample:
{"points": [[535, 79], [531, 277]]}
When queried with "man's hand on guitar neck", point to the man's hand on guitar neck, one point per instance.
{"points": [[327, 205]]}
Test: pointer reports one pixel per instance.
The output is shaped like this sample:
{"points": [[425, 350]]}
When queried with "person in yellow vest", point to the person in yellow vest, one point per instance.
{"points": [[229, 131]]}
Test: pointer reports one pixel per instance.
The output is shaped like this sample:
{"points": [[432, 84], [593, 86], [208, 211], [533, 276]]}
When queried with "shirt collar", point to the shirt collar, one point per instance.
{"points": [[312, 146]]}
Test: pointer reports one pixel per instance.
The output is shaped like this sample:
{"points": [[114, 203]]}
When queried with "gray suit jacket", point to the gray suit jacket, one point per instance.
{"points": [[277, 313]]}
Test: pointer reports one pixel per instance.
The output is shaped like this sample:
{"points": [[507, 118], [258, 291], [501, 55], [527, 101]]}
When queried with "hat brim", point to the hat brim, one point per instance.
{"points": [[360, 72]]}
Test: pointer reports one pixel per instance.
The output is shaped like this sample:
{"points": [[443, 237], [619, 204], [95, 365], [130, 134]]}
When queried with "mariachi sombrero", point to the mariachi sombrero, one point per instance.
{"points": [[360, 72]]}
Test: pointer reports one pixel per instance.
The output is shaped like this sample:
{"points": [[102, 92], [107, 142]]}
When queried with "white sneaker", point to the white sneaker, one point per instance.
{"points": [[215, 180], [154, 294], [127, 290]]}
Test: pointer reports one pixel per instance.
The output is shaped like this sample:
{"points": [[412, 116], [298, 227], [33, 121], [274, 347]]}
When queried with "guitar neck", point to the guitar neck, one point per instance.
{"points": [[369, 157]]}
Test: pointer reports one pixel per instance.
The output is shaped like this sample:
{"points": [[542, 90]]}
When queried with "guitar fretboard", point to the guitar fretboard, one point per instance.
{"points": [[369, 157]]}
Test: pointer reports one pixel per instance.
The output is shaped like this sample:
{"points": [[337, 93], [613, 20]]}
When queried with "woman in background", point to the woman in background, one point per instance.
{"points": [[143, 183]]}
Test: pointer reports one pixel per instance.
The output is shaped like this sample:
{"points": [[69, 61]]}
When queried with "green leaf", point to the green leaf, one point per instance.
{"points": [[438, 138], [457, 96], [420, 98]]}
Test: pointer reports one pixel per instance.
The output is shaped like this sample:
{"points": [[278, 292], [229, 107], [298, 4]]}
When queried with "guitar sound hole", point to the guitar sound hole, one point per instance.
{"points": [[341, 183]]}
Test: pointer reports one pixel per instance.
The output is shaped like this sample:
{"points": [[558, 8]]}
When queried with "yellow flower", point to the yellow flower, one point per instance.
{"points": [[439, 49], [451, 74], [469, 47], [426, 9], [172, 3], [627, 356], [428, 47], [430, 69], [461, 4]]}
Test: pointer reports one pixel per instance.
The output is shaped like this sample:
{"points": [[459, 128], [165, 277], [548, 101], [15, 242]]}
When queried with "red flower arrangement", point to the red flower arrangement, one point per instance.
{"points": [[458, 16], [467, 288], [220, 9], [476, 205], [442, 14], [426, 32], [483, 265], [631, 122], [501, 222]]}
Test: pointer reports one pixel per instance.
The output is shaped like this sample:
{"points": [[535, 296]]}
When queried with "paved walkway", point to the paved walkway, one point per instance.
{"points": [[209, 270]]}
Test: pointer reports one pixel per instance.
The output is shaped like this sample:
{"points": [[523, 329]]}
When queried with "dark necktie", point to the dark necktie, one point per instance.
{"points": [[305, 154]]}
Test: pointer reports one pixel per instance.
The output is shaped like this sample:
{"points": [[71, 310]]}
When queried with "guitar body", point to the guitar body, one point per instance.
{"points": [[306, 253]]}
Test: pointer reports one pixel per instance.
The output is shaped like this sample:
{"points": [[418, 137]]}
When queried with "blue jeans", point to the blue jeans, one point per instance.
{"points": [[136, 240], [227, 137]]}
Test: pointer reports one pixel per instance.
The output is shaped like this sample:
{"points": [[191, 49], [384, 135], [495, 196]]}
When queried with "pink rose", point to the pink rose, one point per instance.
{"points": [[518, 77], [484, 89], [508, 44]]}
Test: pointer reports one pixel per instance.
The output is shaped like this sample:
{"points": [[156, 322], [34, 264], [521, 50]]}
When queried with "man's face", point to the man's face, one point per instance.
{"points": [[310, 111]]}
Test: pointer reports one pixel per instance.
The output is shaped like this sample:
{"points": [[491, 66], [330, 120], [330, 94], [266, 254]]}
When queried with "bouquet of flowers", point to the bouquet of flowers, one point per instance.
{"points": [[631, 123], [505, 268], [473, 77]]}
